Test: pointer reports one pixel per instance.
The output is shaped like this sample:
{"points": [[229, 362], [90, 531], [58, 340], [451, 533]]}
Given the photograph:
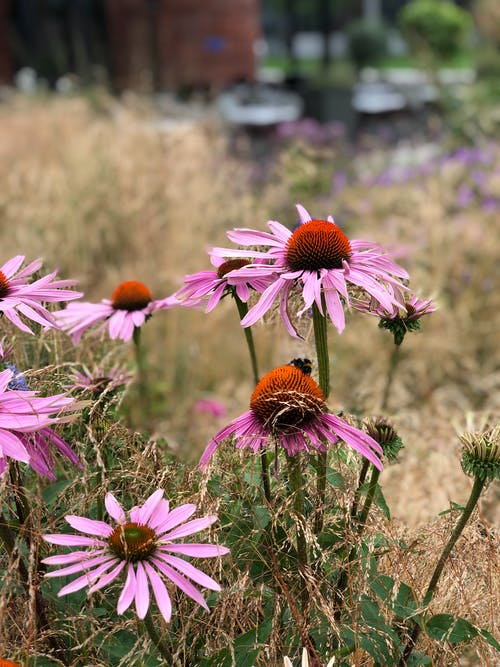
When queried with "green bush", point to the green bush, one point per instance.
{"points": [[435, 26], [367, 42]]}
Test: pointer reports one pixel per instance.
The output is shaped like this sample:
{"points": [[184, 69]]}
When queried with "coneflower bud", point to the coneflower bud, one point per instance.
{"points": [[481, 453], [383, 432]]}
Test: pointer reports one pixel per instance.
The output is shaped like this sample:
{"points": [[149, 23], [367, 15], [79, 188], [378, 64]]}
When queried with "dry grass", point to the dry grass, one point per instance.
{"points": [[107, 198]]}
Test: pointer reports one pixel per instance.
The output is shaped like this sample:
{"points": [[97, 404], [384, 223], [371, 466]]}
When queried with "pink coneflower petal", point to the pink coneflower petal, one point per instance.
{"points": [[87, 564], [86, 579], [141, 591], [89, 526], [107, 578], [175, 517], [190, 528], [190, 571], [74, 540], [160, 592], [149, 506], [195, 550], [17, 296], [180, 582], [114, 508], [128, 593]]}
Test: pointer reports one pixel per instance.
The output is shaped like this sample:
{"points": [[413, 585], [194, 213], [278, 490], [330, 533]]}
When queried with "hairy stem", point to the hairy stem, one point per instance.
{"points": [[475, 494], [264, 464], [393, 363], [370, 494], [361, 481], [160, 645], [140, 362], [297, 489], [321, 342]]}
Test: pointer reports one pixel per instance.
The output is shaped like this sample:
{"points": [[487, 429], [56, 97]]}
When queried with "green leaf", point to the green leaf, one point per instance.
{"points": [[263, 516], [451, 629], [54, 491], [418, 660], [489, 638], [453, 508], [380, 501], [247, 647], [335, 479], [402, 601]]}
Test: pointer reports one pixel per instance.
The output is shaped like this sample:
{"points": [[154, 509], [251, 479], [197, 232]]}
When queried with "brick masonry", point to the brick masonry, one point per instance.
{"points": [[170, 44]]}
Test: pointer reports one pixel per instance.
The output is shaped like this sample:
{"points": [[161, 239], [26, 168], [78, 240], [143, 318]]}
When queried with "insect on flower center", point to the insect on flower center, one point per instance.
{"points": [[131, 295], [316, 245], [287, 398], [132, 541], [4, 285], [230, 265]]}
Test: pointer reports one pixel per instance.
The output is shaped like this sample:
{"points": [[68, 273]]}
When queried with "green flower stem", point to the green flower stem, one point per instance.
{"points": [[361, 481], [264, 464], [160, 645], [393, 364], [321, 342], [297, 489], [140, 362], [369, 499], [475, 494], [9, 542]]}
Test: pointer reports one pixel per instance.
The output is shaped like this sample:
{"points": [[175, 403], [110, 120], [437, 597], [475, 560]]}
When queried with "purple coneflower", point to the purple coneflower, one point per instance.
{"points": [[320, 257], [18, 297], [100, 380], [144, 546], [131, 304], [25, 433], [211, 286], [210, 407], [288, 406]]}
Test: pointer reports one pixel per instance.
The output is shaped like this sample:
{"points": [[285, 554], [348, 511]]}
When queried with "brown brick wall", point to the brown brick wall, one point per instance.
{"points": [[197, 42], [6, 65]]}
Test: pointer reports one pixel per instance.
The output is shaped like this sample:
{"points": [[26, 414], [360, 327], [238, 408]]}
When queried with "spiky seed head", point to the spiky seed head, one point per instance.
{"points": [[383, 432], [481, 453]]}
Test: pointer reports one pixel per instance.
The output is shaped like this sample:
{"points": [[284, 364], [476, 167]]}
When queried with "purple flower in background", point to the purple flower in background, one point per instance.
{"points": [[18, 297], [209, 407], [100, 380], [144, 547], [318, 258]]}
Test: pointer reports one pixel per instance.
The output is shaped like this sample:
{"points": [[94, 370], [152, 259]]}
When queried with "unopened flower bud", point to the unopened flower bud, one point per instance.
{"points": [[383, 432], [481, 453]]}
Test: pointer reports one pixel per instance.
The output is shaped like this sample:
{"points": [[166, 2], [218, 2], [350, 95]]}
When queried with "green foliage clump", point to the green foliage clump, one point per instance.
{"points": [[438, 27], [367, 42]]}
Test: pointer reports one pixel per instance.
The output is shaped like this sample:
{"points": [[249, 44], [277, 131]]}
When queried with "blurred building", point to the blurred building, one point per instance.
{"points": [[140, 44]]}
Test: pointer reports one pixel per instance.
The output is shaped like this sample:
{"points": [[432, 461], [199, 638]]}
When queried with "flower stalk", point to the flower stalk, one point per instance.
{"points": [[297, 489], [475, 494], [264, 464], [321, 342], [159, 644], [140, 362]]}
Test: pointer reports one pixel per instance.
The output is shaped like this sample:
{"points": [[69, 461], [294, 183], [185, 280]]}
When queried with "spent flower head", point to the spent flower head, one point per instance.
{"points": [[287, 407], [319, 259], [21, 299], [383, 432], [130, 306], [145, 547], [481, 452], [399, 321], [100, 380]]}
